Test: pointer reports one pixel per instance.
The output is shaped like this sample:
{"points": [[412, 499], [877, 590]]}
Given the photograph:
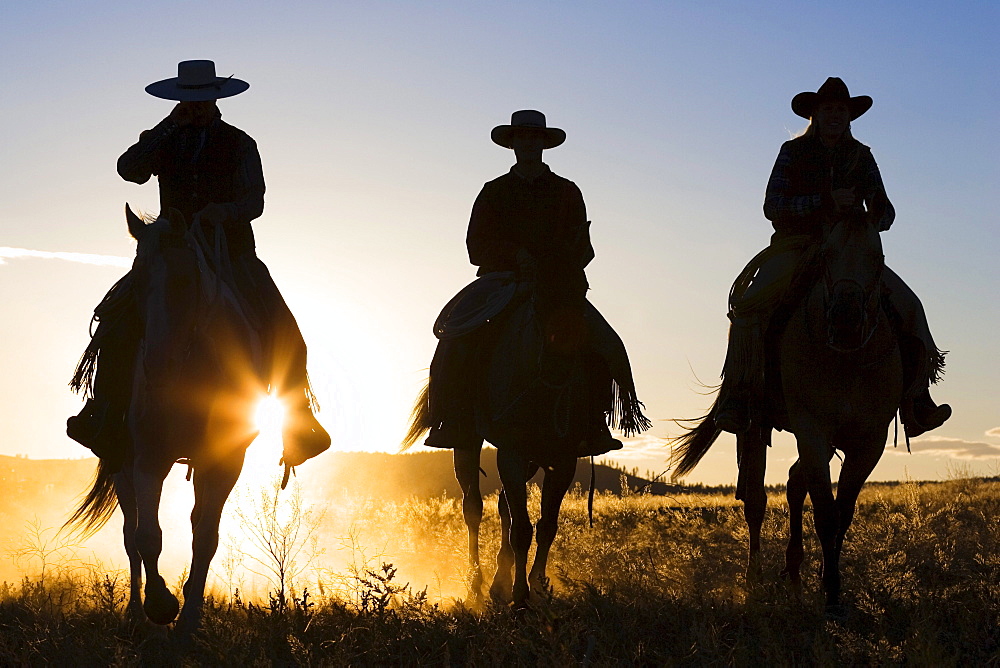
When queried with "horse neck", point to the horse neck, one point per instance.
{"points": [[170, 299]]}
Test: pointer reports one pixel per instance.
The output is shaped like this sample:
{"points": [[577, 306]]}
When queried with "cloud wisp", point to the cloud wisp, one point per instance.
{"points": [[8, 253], [941, 446], [639, 450]]}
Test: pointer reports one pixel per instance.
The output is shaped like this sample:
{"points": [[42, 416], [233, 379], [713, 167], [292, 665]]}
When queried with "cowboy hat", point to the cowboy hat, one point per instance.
{"points": [[527, 119], [832, 90], [196, 82]]}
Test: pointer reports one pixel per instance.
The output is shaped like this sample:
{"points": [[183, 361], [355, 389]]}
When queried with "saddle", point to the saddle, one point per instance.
{"points": [[529, 389], [770, 310]]}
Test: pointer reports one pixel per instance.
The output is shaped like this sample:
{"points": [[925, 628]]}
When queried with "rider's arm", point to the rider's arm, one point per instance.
{"points": [[788, 213], [250, 179], [875, 198], [581, 251], [142, 159], [487, 248]]}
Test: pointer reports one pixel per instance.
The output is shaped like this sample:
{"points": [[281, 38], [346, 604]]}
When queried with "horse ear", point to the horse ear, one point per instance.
{"points": [[178, 224], [135, 225]]}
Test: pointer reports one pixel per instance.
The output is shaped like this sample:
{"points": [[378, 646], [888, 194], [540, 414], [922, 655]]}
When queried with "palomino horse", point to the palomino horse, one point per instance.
{"points": [[841, 381], [536, 406], [193, 393]]}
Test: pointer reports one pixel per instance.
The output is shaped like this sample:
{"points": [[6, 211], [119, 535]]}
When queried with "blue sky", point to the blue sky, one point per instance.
{"points": [[373, 123]]}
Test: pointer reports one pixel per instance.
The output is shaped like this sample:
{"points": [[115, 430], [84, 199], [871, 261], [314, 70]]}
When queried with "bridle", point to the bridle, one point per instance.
{"points": [[870, 304]]}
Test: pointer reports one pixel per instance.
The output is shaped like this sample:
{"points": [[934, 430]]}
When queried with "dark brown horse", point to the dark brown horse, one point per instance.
{"points": [[839, 376], [194, 389], [535, 406]]}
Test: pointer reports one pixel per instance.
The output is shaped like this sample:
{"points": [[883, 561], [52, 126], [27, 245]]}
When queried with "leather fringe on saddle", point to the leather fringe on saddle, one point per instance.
{"points": [[110, 314], [626, 411]]}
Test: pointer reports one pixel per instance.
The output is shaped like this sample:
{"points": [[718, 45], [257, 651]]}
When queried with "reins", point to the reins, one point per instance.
{"points": [[870, 318]]}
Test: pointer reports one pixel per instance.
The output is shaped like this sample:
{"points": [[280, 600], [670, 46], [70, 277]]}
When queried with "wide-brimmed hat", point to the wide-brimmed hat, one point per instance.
{"points": [[196, 82], [832, 90], [527, 119]]}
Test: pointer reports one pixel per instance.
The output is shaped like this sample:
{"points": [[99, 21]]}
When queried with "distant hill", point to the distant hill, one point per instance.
{"points": [[395, 477], [426, 474]]}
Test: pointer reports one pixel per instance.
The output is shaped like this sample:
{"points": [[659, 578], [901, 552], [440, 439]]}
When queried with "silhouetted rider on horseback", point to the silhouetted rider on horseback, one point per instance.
{"points": [[210, 171], [819, 178], [528, 228]]}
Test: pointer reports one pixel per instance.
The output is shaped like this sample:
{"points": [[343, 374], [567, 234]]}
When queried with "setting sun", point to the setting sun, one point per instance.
{"points": [[269, 416], [261, 464]]}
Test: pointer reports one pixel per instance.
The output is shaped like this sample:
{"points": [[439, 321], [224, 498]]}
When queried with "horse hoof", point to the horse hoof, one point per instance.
{"points": [[835, 612], [519, 608], [500, 595], [161, 607], [187, 625]]}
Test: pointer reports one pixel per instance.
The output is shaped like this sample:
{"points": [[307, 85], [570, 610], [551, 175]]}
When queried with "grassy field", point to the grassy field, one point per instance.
{"points": [[657, 581]]}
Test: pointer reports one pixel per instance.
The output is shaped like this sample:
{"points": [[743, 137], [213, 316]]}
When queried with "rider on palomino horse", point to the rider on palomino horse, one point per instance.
{"points": [[818, 179], [529, 236], [210, 172]]}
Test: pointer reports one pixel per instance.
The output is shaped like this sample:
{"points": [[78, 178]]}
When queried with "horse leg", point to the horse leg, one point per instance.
{"points": [[814, 458], [467, 473], [503, 580], [160, 604], [752, 450], [125, 491], [513, 475], [213, 483], [794, 553], [858, 465], [557, 482]]}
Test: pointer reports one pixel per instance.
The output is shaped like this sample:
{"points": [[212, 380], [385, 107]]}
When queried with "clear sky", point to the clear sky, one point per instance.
{"points": [[373, 123]]}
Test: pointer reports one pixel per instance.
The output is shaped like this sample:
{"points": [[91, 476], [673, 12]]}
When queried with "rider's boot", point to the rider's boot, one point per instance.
{"points": [[88, 423], [918, 411], [303, 437], [100, 425], [599, 440], [454, 436], [920, 414], [743, 365]]}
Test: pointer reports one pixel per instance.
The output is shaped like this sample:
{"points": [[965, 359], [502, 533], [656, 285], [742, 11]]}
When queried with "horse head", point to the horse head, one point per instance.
{"points": [[167, 289], [853, 264]]}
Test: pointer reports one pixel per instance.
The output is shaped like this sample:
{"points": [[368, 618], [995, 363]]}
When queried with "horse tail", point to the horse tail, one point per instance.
{"points": [[420, 417], [98, 506], [692, 446]]}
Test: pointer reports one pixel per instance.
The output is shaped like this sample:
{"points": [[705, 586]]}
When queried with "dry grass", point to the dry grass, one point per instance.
{"points": [[656, 581]]}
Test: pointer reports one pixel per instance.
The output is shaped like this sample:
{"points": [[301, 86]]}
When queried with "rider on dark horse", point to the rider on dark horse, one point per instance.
{"points": [[210, 172], [529, 224], [818, 179]]}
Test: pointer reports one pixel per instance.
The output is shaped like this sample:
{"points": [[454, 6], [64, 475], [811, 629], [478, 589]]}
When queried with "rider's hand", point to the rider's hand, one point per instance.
{"points": [[213, 214], [843, 198]]}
